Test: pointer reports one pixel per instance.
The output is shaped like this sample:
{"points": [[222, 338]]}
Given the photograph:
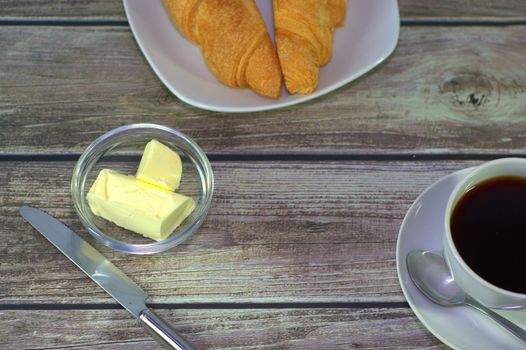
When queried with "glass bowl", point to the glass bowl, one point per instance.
{"points": [[121, 150]]}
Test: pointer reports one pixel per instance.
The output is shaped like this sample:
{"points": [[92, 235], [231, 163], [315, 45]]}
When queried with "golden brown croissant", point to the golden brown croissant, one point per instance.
{"points": [[233, 39], [304, 31]]}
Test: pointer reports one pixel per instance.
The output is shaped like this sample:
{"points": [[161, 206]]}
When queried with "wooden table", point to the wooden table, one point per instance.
{"points": [[298, 250]]}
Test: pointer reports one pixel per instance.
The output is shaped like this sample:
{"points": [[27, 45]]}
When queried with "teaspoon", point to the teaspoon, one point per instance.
{"points": [[431, 275]]}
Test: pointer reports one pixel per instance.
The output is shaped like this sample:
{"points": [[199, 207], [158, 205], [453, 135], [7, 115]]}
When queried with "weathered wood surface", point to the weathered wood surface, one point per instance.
{"points": [[353, 328], [462, 10], [290, 233], [445, 90], [277, 232], [63, 9], [409, 9]]}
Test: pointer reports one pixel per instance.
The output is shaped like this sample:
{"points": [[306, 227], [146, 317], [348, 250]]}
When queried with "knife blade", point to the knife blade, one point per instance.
{"points": [[105, 274]]}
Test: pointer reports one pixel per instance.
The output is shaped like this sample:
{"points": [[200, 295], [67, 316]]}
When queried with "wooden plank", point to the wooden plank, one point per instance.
{"points": [[468, 10], [277, 232], [445, 90], [373, 328], [409, 9], [62, 9]]}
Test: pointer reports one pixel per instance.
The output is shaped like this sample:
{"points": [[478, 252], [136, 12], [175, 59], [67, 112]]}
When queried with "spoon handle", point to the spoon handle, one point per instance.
{"points": [[504, 322]]}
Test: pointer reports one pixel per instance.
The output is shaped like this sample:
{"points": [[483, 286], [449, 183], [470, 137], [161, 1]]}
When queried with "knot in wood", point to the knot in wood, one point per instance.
{"points": [[469, 89]]}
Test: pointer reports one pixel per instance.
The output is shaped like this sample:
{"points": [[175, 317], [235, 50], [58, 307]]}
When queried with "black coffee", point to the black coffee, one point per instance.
{"points": [[488, 226]]}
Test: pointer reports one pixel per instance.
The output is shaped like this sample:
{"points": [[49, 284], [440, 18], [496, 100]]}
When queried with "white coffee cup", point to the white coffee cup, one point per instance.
{"points": [[480, 289]]}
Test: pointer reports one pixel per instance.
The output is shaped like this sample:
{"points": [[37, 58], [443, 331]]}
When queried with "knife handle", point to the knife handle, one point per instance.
{"points": [[161, 331]]}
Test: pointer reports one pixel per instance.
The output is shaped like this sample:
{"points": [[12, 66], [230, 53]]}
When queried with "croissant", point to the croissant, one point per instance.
{"points": [[304, 30], [234, 41]]}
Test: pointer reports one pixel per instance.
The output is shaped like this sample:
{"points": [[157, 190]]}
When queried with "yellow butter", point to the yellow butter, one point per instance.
{"points": [[138, 206], [160, 166]]}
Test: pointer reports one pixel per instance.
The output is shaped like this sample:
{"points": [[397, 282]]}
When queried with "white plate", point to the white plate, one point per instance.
{"points": [[457, 327], [369, 36]]}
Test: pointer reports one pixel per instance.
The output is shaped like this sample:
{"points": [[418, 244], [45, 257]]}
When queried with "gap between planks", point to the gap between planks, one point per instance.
{"points": [[72, 22], [213, 157], [215, 306]]}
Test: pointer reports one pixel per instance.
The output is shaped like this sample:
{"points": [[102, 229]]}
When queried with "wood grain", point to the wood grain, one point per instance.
{"points": [[446, 90], [409, 9], [62, 9], [468, 10], [353, 328], [277, 232], [281, 234]]}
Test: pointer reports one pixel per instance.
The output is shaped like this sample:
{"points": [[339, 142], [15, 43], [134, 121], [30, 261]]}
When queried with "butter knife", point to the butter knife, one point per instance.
{"points": [[105, 274]]}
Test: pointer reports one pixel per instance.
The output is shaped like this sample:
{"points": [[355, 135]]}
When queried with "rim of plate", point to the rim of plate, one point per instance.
{"points": [[399, 266]]}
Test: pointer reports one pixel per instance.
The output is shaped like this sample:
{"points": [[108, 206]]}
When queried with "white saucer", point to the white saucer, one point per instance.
{"points": [[369, 36], [457, 327]]}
